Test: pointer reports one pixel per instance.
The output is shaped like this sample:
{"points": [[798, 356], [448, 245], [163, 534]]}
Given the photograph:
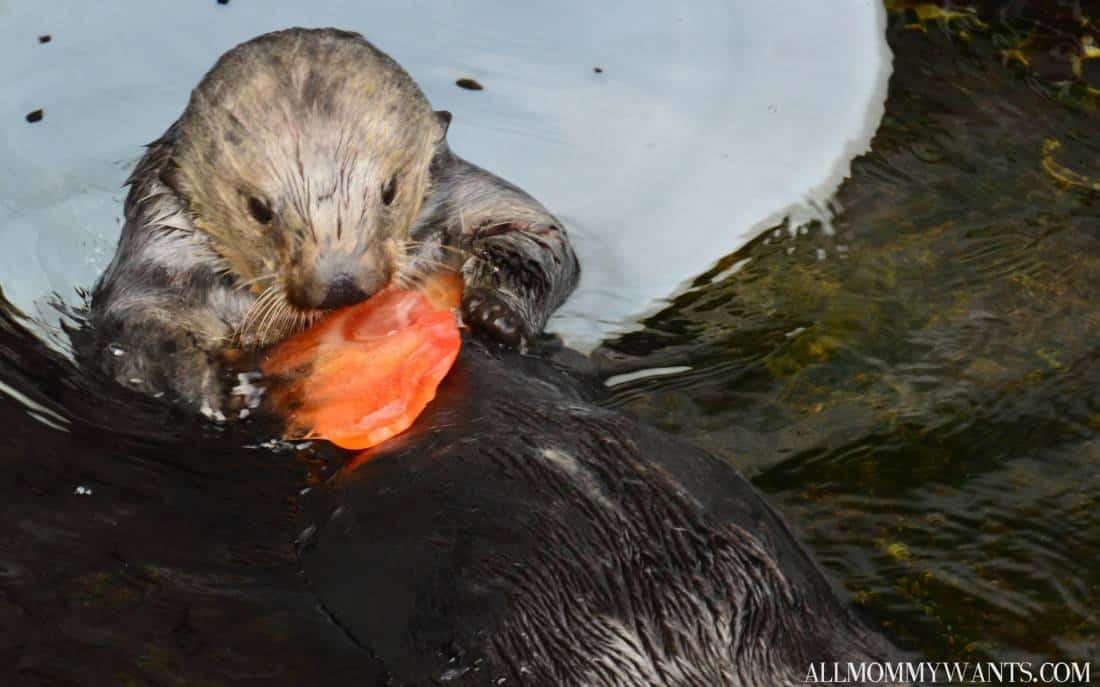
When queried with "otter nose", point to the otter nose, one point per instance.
{"points": [[342, 291]]}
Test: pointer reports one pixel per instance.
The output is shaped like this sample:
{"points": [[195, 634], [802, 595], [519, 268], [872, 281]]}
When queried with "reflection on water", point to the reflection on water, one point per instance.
{"points": [[920, 392]]}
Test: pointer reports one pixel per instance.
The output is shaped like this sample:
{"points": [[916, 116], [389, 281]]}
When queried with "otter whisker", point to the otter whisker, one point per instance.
{"points": [[303, 319], [274, 313], [293, 320], [413, 243], [456, 256], [410, 278], [292, 323], [280, 325], [413, 276], [223, 266], [265, 324], [260, 309], [420, 263], [272, 318], [255, 280], [406, 281], [257, 306], [458, 252]]}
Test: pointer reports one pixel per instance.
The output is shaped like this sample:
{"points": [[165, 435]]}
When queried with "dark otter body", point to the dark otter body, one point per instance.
{"points": [[307, 172], [521, 535], [518, 531]]}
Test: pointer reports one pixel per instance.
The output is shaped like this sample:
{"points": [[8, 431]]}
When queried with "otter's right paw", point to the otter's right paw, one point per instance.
{"points": [[203, 387], [206, 383], [175, 371], [489, 313]]}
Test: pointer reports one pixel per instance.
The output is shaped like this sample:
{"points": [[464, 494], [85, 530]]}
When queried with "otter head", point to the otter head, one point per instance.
{"points": [[304, 155]]}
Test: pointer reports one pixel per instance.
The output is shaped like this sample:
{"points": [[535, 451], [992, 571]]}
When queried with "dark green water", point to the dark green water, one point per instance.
{"points": [[919, 392]]}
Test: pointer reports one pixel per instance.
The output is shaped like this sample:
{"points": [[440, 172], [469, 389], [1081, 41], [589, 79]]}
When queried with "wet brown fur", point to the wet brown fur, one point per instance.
{"points": [[315, 128], [350, 166]]}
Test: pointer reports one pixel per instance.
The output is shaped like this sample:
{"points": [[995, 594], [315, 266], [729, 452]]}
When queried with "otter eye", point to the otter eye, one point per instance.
{"points": [[259, 210], [389, 190]]}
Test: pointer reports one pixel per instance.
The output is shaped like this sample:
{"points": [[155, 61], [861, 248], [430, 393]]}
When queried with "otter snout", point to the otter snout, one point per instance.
{"points": [[336, 282], [343, 291]]}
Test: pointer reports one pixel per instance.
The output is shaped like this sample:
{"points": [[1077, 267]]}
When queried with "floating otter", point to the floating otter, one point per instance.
{"points": [[521, 535], [518, 531], [307, 171]]}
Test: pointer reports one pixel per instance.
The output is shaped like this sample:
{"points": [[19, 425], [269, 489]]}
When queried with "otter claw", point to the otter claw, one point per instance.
{"points": [[488, 314]]}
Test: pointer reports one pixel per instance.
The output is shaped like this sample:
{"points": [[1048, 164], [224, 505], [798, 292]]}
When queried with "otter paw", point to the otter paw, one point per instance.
{"points": [[197, 379], [489, 313]]}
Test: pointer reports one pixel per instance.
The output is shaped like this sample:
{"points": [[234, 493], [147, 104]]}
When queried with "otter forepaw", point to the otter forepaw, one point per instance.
{"points": [[489, 313], [198, 382], [176, 370]]}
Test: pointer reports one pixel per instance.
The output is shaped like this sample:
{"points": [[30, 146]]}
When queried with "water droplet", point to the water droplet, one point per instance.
{"points": [[306, 535], [454, 674]]}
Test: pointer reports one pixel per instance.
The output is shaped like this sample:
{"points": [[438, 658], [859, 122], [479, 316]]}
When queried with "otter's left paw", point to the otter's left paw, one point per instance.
{"points": [[489, 313]]}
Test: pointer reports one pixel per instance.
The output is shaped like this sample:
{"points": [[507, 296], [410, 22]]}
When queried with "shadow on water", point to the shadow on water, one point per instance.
{"points": [[918, 386]]}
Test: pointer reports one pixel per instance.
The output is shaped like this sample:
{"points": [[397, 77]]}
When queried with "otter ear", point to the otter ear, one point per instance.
{"points": [[444, 118], [170, 176]]}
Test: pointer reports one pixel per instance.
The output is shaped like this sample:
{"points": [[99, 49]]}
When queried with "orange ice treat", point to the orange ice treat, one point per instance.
{"points": [[365, 372]]}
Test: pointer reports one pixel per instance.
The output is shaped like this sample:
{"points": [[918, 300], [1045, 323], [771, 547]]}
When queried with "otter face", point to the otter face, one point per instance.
{"points": [[305, 156]]}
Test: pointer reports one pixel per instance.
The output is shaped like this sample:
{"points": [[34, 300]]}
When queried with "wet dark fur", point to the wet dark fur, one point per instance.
{"points": [[521, 532], [182, 291], [518, 531]]}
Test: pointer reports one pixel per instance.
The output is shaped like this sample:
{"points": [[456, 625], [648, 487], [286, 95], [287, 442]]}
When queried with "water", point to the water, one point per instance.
{"points": [[914, 381], [693, 99], [920, 392]]}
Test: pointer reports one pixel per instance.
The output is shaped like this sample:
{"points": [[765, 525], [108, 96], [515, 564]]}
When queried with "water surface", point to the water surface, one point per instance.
{"points": [[920, 391]]}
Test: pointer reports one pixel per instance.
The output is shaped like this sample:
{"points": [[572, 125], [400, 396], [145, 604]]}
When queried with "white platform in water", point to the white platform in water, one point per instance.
{"points": [[709, 120]]}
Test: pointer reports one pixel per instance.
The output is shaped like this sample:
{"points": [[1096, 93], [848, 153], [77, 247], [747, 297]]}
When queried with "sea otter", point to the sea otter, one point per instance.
{"points": [[520, 534], [307, 172]]}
